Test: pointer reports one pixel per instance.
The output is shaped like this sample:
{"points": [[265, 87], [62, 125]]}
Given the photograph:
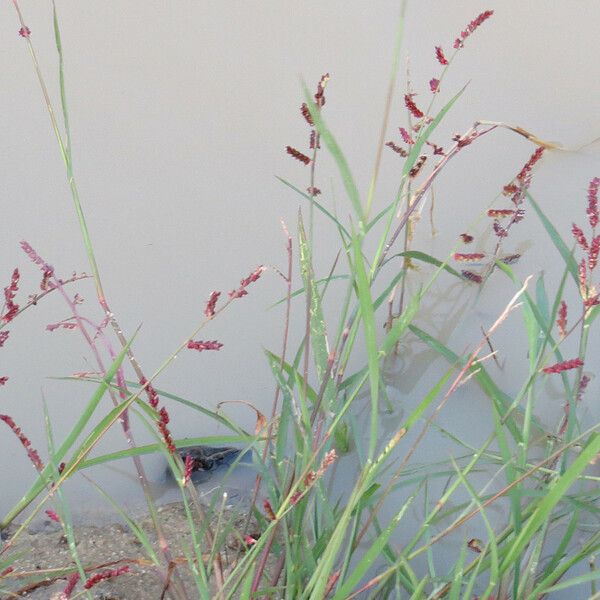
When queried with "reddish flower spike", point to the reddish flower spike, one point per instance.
{"points": [[53, 516], [499, 230], [297, 155], [439, 54], [269, 511], [34, 457], [593, 253], [98, 577], [500, 213], [208, 345], [579, 237], [561, 322], [466, 238], [406, 136], [254, 276], [397, 149], [434, 85], [468, 256], [10, 292], [528, 166], [412, 107], [306, 114], [418, 166], [473, 277], [471, 27], [565, 365], [188, 468], [150, 392], [209, 311], [592, 208], [71, 583]]}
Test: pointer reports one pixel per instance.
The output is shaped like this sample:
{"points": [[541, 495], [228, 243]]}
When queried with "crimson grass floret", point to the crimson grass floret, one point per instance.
{"points": [[434, 85], [471, 27], [468, 256], [592, 208], [297, 155], [565, 365], [439, 54], [593, 253], [207, 345], [406, 136], [24, 32], [32, 453], [10, 307], [98, 577], [254, 276], [306, 114], [473, 277], [412, 107], [528, 166], [71, 583], [397, 149], [561, 321], [579, 237], [500, 213], [211, 304]]}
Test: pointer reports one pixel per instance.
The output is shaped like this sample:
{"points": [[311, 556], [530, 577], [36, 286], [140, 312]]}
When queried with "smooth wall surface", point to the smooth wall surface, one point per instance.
{"points": [[180, 114]]}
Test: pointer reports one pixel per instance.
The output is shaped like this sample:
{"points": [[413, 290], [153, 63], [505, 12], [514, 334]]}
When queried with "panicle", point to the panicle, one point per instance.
{"points": [[10, 307], [592, 208], [207, 345], [473, 277], [565, 365], [468, 256], [33, 455], [579, 237], [109, 574], [439, 54], [412, 107], [211, 304], [297, 155], [561, 322], [254, 276], [471, 27]]}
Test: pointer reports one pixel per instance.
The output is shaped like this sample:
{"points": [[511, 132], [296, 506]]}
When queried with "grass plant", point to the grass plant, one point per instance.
{"points": [[317, 540]]}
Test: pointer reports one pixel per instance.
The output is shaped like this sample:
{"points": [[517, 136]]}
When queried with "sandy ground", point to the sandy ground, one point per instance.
{"points": [[44, 551]]}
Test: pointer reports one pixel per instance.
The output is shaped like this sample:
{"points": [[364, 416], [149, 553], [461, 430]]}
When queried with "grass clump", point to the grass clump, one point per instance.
{"points": [[311, 530]]}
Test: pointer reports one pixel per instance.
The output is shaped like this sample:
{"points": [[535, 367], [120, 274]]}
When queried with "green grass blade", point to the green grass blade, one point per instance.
{"points": [[367, 311], [83, 420], [559, 244], [369, 557], [552, 498]]}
